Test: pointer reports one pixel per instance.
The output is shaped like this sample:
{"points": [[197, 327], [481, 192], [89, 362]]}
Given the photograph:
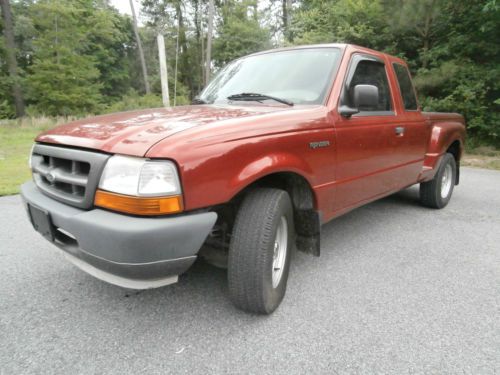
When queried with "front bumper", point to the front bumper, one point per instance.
{"points": [[131, 252]]}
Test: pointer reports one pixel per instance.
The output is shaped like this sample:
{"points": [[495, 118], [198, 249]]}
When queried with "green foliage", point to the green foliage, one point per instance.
{"points": [[6, 110], [6, 100], [359, 22], [71, 53], [63, 79], [464, 67], [110, 38], [464, 87], [240, 33], [132, 100]]}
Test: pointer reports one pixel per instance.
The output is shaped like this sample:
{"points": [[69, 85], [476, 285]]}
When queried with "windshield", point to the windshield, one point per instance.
{"points": [[300, 76]]}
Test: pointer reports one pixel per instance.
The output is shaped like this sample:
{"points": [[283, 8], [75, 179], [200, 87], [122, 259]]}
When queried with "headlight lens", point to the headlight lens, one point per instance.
{"points": [[140, 177], [158, 177]]}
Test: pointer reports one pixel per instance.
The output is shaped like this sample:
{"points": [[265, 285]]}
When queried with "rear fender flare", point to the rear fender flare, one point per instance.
{"points": [[442, 137]]}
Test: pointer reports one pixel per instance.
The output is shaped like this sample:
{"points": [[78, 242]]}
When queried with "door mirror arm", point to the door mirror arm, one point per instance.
{"points": [[347, 112]]}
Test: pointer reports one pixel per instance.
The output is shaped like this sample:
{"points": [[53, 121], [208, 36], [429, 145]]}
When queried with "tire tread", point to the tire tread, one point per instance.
{"points": [[252, 231]]}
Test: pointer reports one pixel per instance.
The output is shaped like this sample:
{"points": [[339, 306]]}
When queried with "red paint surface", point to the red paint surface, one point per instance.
{"points": [[222, 149]]}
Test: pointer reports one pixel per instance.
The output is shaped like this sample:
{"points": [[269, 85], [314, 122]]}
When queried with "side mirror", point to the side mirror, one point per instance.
{"points": [[365, 96]]}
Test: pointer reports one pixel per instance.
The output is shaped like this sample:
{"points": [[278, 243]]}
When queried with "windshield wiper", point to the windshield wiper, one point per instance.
{"points": [[251, 96], [198, 101]]}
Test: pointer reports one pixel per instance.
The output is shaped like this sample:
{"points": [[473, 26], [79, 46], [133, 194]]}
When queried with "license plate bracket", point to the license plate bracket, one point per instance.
{"points": [[41, 221]]}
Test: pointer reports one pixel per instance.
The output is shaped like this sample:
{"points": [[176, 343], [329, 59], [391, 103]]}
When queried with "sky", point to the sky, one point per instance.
{"points": [[124, 7]]}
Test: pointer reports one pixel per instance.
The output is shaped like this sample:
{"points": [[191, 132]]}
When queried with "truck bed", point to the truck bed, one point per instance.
{"points": [[443, 116]]}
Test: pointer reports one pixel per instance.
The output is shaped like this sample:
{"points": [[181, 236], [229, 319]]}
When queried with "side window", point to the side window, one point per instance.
{"points": [[406, 87], [370, 72]]}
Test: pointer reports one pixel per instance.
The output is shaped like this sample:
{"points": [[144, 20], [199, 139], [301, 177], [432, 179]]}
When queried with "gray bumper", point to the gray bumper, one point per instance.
{"points": [[129, 251]]}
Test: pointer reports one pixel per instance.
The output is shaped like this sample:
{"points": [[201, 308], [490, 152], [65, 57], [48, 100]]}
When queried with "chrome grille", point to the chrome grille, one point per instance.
{"points": [[66, 174]]}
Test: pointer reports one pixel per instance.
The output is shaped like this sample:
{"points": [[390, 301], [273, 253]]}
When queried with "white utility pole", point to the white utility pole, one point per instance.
{"points": [[139, 46], [208, 61], [176, 62], [163, 70]]}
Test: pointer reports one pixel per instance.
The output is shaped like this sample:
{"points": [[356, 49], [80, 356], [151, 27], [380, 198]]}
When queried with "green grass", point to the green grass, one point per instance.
{"points": [[16, 139], [482, 157]]}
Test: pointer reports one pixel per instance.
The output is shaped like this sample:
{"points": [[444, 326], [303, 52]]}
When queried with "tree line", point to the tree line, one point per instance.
{"points": [[78, 57]]}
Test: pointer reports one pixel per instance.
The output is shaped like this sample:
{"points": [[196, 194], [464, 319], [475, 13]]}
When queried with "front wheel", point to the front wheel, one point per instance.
{"points": [[437, 192], [260, 249]]}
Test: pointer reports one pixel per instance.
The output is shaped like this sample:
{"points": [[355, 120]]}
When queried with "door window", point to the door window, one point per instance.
{"points": [[370, 72]]}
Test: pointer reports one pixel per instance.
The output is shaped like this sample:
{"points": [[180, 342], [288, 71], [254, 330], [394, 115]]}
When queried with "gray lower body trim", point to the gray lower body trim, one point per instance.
{"points": [[144, 251], [124, 282]]}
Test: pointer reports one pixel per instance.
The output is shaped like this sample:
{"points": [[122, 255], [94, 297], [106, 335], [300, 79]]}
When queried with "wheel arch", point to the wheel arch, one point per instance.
{"points": [[307, 220]]}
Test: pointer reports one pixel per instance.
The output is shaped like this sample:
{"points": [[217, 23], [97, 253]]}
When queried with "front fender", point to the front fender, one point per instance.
{"points": [[214, 174]]}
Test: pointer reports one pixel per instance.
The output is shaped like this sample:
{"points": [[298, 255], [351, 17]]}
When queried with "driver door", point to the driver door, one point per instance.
{"points": [[364, 147]]}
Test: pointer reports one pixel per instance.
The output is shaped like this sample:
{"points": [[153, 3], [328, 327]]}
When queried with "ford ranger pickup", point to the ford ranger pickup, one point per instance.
{"points": [[277, 144]]}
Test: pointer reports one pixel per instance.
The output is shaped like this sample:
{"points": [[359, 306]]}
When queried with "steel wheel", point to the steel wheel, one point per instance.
{"points": [[280, 250], [446, 181]]}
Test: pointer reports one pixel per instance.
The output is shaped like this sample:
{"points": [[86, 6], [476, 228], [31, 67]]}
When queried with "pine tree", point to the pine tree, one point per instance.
{"points": [[64, 77], [10, 51]]}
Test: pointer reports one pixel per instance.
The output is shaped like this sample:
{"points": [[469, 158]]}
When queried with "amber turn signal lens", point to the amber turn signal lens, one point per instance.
{"points": [[147, 206]]}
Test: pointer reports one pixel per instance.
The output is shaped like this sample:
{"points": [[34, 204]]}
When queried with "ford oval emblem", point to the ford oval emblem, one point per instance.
{"points": [[51, 177]]}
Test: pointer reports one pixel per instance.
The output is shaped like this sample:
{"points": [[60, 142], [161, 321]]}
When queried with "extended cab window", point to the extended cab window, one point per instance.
{"points": [[369, 72], [406, 87]]}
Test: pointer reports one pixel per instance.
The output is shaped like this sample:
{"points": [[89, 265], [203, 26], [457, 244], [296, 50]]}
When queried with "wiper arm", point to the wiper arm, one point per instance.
{"points": [[251, 96], [198, 101]]}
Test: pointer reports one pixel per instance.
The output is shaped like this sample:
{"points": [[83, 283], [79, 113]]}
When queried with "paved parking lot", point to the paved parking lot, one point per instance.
{"points": [[398, 289]]}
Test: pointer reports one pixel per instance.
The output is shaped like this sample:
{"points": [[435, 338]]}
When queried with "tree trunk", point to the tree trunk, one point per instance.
{"points": [[139, 46], [208, 61], [284, 13], [199, 46], [203, 62], [426, 33], [11, 57], [287, 8], [186, 66]]}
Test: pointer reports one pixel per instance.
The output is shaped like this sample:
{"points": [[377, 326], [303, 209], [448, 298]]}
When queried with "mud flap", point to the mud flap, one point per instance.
{"points": [[308, 229]]}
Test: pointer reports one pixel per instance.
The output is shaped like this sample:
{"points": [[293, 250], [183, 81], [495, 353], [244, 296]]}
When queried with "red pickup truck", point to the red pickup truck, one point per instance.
{"points": [[279, 143]]}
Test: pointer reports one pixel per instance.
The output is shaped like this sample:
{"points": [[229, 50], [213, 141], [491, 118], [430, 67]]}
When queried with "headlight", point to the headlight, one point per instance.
{"points": [[140, 177], [139, 186]]}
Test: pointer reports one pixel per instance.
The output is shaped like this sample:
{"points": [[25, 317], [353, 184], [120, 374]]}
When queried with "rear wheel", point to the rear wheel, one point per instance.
{"points": [[437, 192], [260, 249]]}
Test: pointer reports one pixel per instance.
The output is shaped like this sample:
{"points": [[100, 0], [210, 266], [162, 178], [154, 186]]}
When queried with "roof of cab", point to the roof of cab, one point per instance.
{"points": [[304, 46], [342, 46]]}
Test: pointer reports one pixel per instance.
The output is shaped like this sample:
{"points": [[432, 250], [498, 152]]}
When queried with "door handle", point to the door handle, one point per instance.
{"points": [[399, 130]]}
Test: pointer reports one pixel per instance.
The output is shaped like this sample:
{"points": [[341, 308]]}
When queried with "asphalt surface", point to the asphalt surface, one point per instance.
{"points": [[398, 289]]}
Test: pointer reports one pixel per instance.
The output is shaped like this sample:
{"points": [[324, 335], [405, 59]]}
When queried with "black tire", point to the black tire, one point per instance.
{"points": [[430, 191], [252, 248]]}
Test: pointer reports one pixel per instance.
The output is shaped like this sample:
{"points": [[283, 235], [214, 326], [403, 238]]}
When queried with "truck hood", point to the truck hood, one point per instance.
{"points": [[134, 133]]}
